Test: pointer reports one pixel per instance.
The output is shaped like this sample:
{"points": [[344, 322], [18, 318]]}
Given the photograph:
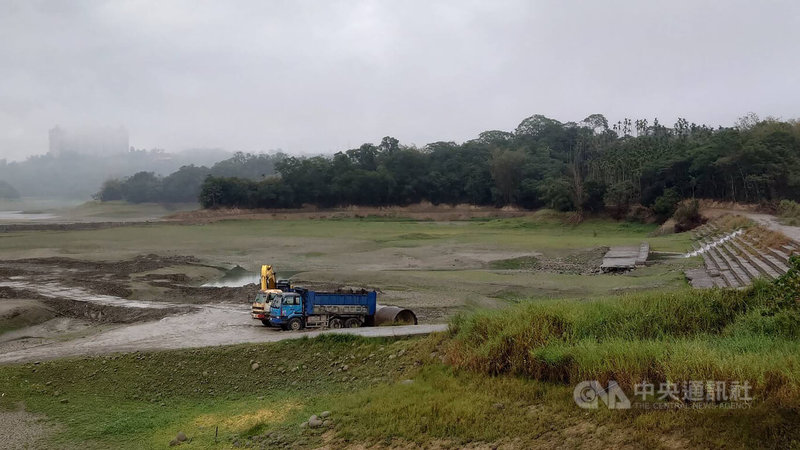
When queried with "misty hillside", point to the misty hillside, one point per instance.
{"points": [[78, 176]]}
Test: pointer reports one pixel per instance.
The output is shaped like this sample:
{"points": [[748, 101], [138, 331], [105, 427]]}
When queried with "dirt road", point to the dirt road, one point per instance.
{"points": [[201, 325], [771, 222], [766, 220], [209, 326]]}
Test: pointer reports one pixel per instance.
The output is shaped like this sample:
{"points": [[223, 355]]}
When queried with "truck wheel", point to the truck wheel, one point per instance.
{"points": [[265, 322], [335, 323], [295, 324], [352, 323]]}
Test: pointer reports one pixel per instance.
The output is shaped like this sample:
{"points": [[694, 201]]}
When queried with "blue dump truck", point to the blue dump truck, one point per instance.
{"points": [[301, 308]]}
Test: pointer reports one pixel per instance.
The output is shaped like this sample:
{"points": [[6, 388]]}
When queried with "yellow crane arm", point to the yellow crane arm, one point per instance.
{"points": [[267, 278]]}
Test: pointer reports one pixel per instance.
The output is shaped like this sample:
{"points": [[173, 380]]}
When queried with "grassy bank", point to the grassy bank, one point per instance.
{"points": [[748, 334], [391, 394], [789, 212], [214, 395]]}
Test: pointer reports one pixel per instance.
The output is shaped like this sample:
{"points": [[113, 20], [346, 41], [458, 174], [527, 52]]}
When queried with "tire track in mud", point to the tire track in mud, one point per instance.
{"points": [[163, 326], [77, 302]]}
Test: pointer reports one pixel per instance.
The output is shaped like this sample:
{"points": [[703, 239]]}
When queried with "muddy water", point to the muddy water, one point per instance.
{"points": [[55, 290], [238, 279], [19, 215]]}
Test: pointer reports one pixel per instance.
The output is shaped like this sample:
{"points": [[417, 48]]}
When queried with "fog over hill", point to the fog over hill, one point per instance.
{"points": [[317, 77], [72, 175]]}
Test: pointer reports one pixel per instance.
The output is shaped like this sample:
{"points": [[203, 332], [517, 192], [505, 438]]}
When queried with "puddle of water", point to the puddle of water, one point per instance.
{"points": [[239, 276], [236, 277], [56, 290], [19, 215]]}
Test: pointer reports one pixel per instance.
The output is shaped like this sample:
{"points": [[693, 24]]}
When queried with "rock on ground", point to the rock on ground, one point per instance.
{"points": [[314, 422]]}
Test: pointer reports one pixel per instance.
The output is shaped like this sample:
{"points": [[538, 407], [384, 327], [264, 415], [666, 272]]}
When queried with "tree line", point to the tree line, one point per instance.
{"points": [[183, 185], [628, 167]]}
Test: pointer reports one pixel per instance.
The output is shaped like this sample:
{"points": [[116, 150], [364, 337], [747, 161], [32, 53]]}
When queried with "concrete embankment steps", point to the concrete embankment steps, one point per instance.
{"points": [[735, 260], [774, 262], [751, 270], [766, 269]]}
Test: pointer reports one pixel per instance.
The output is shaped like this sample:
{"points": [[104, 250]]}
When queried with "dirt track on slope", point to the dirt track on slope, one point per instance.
{"points": [[768, 221]]}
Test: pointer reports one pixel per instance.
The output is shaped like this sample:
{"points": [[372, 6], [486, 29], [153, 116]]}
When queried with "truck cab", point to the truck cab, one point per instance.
{"points": [[260, 306], [286, 311]]}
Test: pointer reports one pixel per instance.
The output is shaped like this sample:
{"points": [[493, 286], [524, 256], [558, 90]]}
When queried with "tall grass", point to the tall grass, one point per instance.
{"points": [[748, 335], [789, 211]]}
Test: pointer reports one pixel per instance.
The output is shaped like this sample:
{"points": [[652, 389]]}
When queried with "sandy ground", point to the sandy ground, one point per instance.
{"points": [[211, 325], [185, 326], [21, 430]]}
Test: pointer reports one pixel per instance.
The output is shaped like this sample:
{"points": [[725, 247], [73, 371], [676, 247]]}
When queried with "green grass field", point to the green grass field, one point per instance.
{"points": [[251, 236]]}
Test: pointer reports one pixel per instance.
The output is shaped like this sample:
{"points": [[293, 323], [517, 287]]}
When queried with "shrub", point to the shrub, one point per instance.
{"points": [[111, 190], [665, 205], [687, 216], [790, 211], [639, 213]]}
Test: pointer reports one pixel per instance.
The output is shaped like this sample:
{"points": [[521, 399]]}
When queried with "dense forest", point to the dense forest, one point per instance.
{"points": [[184, 184], [586, 166]]}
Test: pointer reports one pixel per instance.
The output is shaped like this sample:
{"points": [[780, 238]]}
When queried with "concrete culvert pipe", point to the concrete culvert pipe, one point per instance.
{"points": [[388, 315]]}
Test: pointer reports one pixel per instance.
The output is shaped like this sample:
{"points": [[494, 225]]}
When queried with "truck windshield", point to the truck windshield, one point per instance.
{"points": [[291, 300], [276, 301], [260, 297]]}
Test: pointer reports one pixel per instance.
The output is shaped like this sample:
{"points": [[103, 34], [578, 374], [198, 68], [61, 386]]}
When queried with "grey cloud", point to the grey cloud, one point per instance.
{"points": [[318, 76]]}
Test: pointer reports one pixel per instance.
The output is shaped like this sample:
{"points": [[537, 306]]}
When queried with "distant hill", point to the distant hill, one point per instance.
{"points": [[7, 191], [72, 175]]}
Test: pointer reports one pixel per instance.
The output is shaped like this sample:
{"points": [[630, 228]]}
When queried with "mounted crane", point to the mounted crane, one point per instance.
{"points": [[269, 289]]}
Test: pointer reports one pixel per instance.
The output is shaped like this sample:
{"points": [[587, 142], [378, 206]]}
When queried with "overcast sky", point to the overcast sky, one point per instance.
{"points": [[320, 76]]}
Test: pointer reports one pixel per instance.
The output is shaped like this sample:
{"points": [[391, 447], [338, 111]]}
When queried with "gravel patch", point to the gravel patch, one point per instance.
{"points": [[21, 429]]}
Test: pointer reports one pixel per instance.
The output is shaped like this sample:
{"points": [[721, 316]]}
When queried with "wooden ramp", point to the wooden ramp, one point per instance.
{"points": [[625, 258]]}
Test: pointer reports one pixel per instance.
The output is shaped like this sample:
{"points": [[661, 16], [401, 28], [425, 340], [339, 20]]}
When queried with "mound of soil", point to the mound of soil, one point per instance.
{"points": [[19, 313]]}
